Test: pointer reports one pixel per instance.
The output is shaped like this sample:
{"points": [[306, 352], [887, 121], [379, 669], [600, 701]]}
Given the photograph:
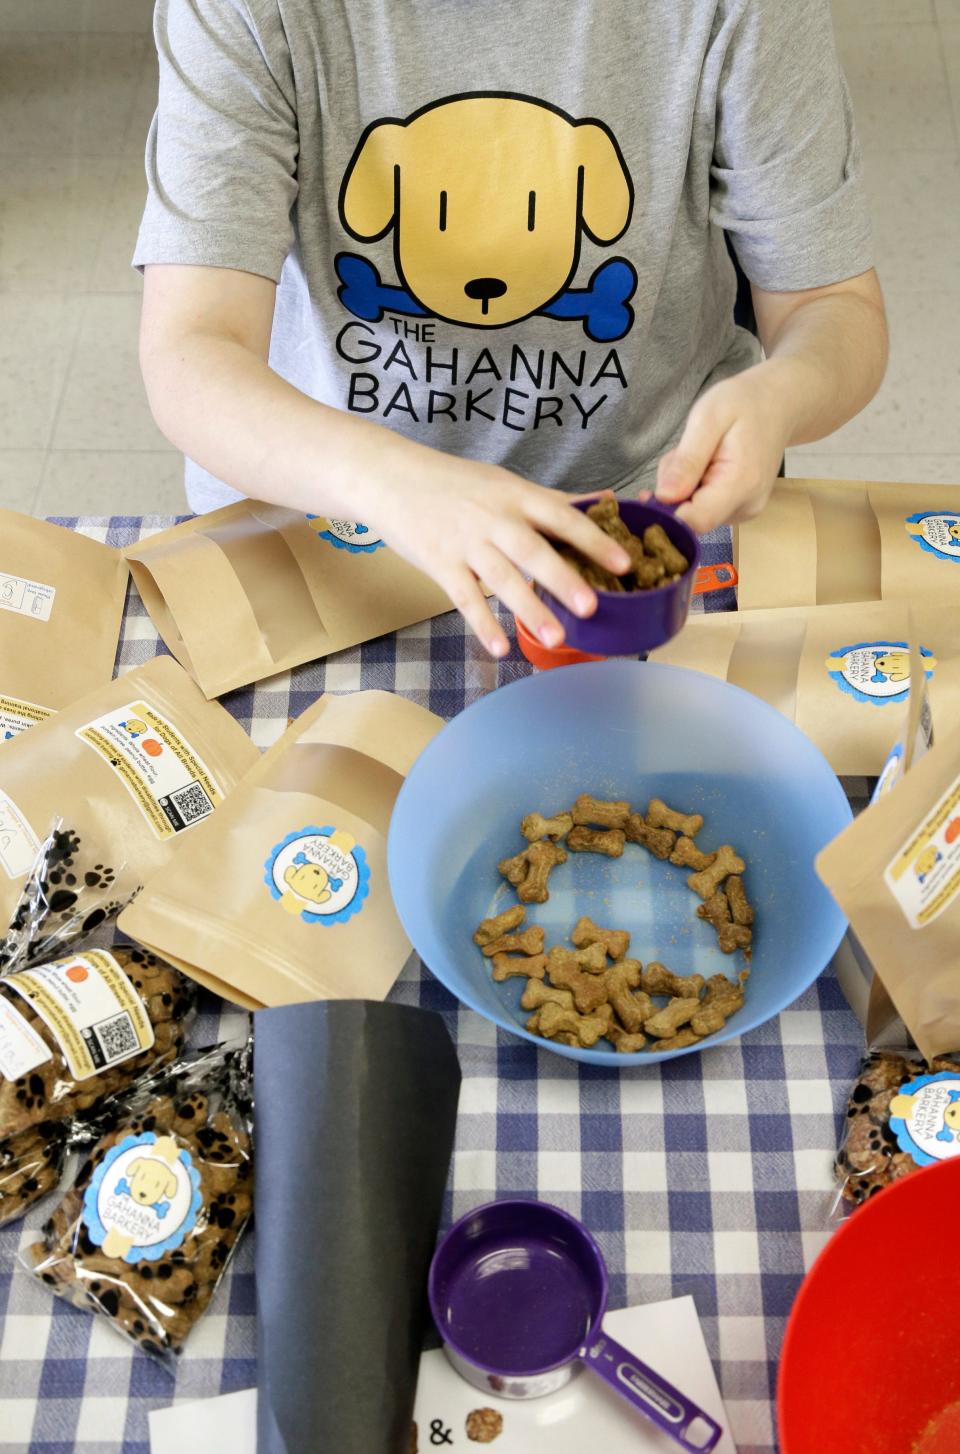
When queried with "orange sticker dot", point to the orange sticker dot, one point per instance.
{"points": [[151, 746], [78, 973]]}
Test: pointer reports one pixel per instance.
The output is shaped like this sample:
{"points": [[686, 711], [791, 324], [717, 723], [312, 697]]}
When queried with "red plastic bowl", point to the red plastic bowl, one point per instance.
{"points": [[871, 1358]]}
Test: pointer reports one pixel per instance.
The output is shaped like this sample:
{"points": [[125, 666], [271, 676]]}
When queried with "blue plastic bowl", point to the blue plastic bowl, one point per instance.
{"points": [[619, 729]]}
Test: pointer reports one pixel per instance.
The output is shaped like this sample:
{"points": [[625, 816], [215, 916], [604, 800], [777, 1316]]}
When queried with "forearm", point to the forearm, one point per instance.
{"points": [[227, 409], [826, 361]]}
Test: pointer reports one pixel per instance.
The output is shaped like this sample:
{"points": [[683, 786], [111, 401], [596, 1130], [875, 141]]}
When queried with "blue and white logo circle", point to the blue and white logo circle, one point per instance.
{"points": [[936, 531], [320, 874], [143, 1198], [346, 535], [925, 1117], [877, 672]]}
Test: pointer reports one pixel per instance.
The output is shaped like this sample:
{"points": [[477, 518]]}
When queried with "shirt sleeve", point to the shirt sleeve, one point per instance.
{"points": [[222, 150], [786, 174]]}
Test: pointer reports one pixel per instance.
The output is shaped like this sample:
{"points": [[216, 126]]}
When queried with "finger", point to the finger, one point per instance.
{"points": [[536, 558], [502, 576], [464, 591], [561, 520], [681, 470], [713, 505]]}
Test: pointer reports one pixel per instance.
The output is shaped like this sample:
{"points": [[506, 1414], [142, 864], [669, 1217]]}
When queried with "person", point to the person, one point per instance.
{"points": [[439, 266]]}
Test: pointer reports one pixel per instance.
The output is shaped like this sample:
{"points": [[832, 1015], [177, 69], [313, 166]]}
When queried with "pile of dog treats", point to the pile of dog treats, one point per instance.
{"points": [[591, 991], [654, 559]]}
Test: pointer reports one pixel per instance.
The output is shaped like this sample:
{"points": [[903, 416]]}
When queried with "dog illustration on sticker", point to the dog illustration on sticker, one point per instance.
{"points": [[877, 672], [937, 532], [925, 1117], [319, 875], [489, 196], [143, 1198]]}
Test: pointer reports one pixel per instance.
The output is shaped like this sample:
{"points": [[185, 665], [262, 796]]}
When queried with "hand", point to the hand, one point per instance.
{"points": [[462, 523], [730, 452]]}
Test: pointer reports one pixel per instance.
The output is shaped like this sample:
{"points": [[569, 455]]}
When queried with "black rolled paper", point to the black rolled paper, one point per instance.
{"points": [[356, 1108]]}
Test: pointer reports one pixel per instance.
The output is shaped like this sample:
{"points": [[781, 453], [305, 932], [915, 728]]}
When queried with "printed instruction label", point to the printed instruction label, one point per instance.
{"points": [[924, 878], [27, 598], [21, 1048], [16, 716], [93, 1011], [19, 845], [171, 785]]}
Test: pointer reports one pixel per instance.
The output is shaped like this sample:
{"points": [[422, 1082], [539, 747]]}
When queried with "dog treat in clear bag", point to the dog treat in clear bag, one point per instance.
{"points": [[31, 1164], [903, 1113], [144, 1235], [77, 1030]]}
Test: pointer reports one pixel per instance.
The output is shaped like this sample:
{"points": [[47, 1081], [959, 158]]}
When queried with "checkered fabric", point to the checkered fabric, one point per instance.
{"points": [[709, 1175]]}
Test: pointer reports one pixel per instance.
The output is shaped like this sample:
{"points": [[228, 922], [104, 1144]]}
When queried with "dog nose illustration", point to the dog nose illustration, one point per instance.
{"points": [[483, 289]]}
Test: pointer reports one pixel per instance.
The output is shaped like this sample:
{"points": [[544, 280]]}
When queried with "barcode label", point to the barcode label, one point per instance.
{"points": [[116, 1040], [186, 806]]}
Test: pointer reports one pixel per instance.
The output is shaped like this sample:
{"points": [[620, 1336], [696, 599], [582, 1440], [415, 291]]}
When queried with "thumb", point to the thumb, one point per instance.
{"points": [[681, 470]]}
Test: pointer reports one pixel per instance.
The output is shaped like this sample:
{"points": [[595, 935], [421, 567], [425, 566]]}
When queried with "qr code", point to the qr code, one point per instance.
{"points": [[117, 1038], [191, 803]]}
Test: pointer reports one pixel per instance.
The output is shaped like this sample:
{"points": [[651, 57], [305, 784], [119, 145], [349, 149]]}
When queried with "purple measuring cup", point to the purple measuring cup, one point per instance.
{"points": [[628, 622], [518, 1290]]}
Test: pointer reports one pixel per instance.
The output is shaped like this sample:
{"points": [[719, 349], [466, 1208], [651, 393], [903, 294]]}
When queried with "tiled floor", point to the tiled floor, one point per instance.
{"points": [[77, 86]]}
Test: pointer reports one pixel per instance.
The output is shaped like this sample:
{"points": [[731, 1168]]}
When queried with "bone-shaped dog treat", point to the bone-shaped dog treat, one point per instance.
{"points": [[660, 816], [535, 826], [658, 543], [589, 990], [686, 854], [588, 1029], [658, 980], [514, 869], [595, 575], [658, 841], [730, 936], [616, 942], [708, 1020], [632, 969], [706, 883], [593, 958], [537, 994], [633, 1010], [592, 840], [741, 910], [529, 942], [542, 858], [625, 1044], [600, 813], [725, 993], [606, 514], [506, 966], [679, 1041], [666, 1022]]}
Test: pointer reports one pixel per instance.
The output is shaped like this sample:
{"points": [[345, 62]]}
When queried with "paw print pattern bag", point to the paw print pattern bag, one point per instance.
{"points": [[253, 589], [284, 897], [129, 771], [61, 603]]}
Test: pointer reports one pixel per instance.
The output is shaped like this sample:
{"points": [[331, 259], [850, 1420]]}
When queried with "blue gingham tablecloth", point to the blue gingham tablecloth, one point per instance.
{"points": [[709, 1176]]}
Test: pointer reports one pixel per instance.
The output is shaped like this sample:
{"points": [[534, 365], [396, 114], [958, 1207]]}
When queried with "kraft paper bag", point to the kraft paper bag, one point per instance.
{"points": [[285, 897], [61, 604], [129, 771], [828, 542], [896, 874], [254, 589], [841, 673]]}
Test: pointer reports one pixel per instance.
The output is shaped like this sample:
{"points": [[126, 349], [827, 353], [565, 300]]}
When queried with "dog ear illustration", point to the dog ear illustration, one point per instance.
{"points": [[607, 188], [368, 195]]}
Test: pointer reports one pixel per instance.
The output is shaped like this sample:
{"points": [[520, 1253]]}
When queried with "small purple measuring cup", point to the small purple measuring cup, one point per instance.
{"points": [[518, 1290], [628, 622]]}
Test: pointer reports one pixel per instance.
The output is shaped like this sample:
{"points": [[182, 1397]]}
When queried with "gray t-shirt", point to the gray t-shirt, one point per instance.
{"points": [[498, 225]]}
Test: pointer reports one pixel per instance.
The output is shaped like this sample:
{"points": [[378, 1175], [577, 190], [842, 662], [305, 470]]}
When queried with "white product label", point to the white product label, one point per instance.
{"points": [[92, 1009], [924, 878], [21, 1049], [16, 716], [19, 845], [27, 598], [171, 785]]}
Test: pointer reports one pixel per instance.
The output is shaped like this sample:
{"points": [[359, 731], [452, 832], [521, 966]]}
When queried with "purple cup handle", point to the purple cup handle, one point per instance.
{"points": [[664, 1405]]}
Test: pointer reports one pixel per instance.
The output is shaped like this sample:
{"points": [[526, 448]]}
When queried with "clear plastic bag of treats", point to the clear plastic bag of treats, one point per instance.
{"points": [[903, 1113], [31, 1165], [144, 1234]]}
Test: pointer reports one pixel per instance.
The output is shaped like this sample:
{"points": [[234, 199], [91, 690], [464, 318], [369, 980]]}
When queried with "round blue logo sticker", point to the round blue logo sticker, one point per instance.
{"points": [[346, 535], [936, 531], [143, 1198], [877, 672], [925, 1117], [320, 874]]}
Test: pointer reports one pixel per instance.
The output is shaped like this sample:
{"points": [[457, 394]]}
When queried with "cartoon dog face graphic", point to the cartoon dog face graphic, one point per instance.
{"points": [[894, 665], [926, 861], [134, 727], [488, 197], [150, 1181], [309, 881]]}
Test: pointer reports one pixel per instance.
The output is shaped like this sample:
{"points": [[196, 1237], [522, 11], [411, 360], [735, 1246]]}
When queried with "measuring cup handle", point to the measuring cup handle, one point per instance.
{"points": [[664, 1405]]}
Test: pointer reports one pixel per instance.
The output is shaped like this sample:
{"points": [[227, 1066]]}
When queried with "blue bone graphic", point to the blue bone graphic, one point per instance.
{"points": [[603, 306]]}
